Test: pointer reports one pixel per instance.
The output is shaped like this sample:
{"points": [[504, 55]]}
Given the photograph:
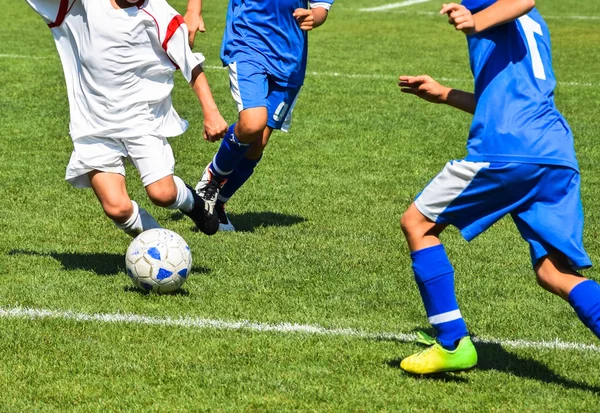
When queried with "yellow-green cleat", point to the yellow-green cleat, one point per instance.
{"points": [[436, 359]]}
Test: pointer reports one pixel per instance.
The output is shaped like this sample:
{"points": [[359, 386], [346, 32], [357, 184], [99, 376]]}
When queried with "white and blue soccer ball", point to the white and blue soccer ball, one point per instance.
{"points": [[158, 260]]}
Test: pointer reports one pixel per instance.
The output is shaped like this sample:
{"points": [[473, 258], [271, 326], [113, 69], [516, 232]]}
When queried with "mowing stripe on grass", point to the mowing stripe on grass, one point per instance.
{"points": [[394, 5], [203, 323], [326, 74]]}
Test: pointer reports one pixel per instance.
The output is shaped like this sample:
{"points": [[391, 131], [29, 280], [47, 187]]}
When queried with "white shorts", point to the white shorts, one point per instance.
{"points": [[152, 157]]}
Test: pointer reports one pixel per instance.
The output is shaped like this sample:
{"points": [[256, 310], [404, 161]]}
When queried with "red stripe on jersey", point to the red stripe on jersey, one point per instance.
{"points": [[63, 10], [171, 29], [175, 23]]}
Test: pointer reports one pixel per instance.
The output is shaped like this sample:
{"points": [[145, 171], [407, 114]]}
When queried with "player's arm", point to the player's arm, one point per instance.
{"points": [[314, 17], [502, 11], [215, 126], [193, 19], [427, 88], [190, 64]]}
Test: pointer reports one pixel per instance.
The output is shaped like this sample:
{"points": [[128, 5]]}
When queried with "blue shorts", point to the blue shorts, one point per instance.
{"points": [[252, 87], [543, 201]]}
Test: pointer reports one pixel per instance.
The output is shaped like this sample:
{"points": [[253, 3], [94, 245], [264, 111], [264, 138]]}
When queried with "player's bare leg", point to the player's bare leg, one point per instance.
{"points": [[112, 193], [163, 192], [555, 275], [434, 275], [251, 125], [420, 232]]}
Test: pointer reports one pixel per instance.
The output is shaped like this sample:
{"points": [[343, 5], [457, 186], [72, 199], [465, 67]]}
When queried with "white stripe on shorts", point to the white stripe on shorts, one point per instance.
{"points": [[445, 317], [288, 118], [447, 186], [234, 86]]}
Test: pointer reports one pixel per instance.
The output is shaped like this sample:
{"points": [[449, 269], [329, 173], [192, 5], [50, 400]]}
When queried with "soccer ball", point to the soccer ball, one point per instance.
{"points": [[158, 260]]}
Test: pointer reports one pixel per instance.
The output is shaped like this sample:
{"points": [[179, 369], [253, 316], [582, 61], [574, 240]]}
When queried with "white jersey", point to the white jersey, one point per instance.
{"points": [[119, 65]]}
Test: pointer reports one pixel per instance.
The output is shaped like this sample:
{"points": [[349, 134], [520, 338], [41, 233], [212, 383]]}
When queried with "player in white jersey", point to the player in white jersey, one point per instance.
{"points": [[119, 57]]}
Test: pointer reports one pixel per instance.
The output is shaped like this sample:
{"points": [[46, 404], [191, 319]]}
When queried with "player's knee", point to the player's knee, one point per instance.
{"points": [[250, 129], [162, 196], [411, 224], [118, 209]]}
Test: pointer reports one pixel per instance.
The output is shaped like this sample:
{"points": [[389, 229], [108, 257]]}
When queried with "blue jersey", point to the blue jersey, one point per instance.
{"points": [[266, 32], [516, 119]]}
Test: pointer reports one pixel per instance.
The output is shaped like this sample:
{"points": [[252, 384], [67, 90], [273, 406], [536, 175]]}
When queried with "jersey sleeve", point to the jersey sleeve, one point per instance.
{"points": [[49, 10], [173, 37], [326, 4], [178, 49]]}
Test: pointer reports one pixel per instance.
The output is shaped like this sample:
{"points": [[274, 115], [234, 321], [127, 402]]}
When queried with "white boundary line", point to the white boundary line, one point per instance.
{"points": [[203, 323], [324, 74], [391, 6], [434, 13]]}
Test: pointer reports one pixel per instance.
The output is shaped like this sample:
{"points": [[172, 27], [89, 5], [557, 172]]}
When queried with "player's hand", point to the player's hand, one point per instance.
{"points": [[460, 17], [425, 88], [215, 127], [305, 19], [194, 23]]}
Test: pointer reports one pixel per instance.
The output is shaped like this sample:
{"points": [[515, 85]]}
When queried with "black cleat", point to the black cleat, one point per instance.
{"points": [[205, 221]]}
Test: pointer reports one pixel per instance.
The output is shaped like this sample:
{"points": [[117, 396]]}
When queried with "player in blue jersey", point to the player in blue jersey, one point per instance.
{"points": [[521, 161], [265, 48]]}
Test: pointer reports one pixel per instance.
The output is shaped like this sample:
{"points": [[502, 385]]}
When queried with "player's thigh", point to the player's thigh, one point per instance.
{"points": [[474, 195], [281, 102], [152, 156], [94, 154], [553, 219]]}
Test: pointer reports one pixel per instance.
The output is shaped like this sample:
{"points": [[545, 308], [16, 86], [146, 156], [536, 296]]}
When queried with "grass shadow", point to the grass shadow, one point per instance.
{"points": [[133, 289], [104, 264], [494, 357], [250, 221]]}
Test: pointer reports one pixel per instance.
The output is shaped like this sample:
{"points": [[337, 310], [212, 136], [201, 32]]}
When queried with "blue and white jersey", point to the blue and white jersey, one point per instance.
{"points": [[266, 32], [516, 119]]}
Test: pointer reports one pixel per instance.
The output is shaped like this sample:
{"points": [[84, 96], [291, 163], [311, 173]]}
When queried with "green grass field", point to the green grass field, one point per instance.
{"points": [[318, 244]]}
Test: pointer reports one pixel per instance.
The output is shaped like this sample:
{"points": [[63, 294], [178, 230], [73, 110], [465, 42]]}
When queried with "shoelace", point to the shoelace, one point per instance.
{"points": [[211, 189]]}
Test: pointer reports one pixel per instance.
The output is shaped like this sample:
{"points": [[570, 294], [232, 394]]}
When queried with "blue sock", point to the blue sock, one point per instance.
{"points": [[585, 300], [229, 155], [435, 277], [238, 177]]}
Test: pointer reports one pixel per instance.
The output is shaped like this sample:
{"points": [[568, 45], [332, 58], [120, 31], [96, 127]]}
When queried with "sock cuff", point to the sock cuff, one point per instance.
{"points": [[131, 220], [426, 251], [184, 199], [431, 262], [584, 292]]}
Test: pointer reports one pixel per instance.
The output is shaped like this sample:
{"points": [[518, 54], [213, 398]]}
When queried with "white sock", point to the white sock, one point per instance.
{"points": [[185, 199], [138, 222]]}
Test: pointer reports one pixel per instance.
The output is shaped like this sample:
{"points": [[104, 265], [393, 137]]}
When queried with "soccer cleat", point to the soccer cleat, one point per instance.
{"points": [[224, 222], [205, 219], [209, 186], [436, 359]]}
